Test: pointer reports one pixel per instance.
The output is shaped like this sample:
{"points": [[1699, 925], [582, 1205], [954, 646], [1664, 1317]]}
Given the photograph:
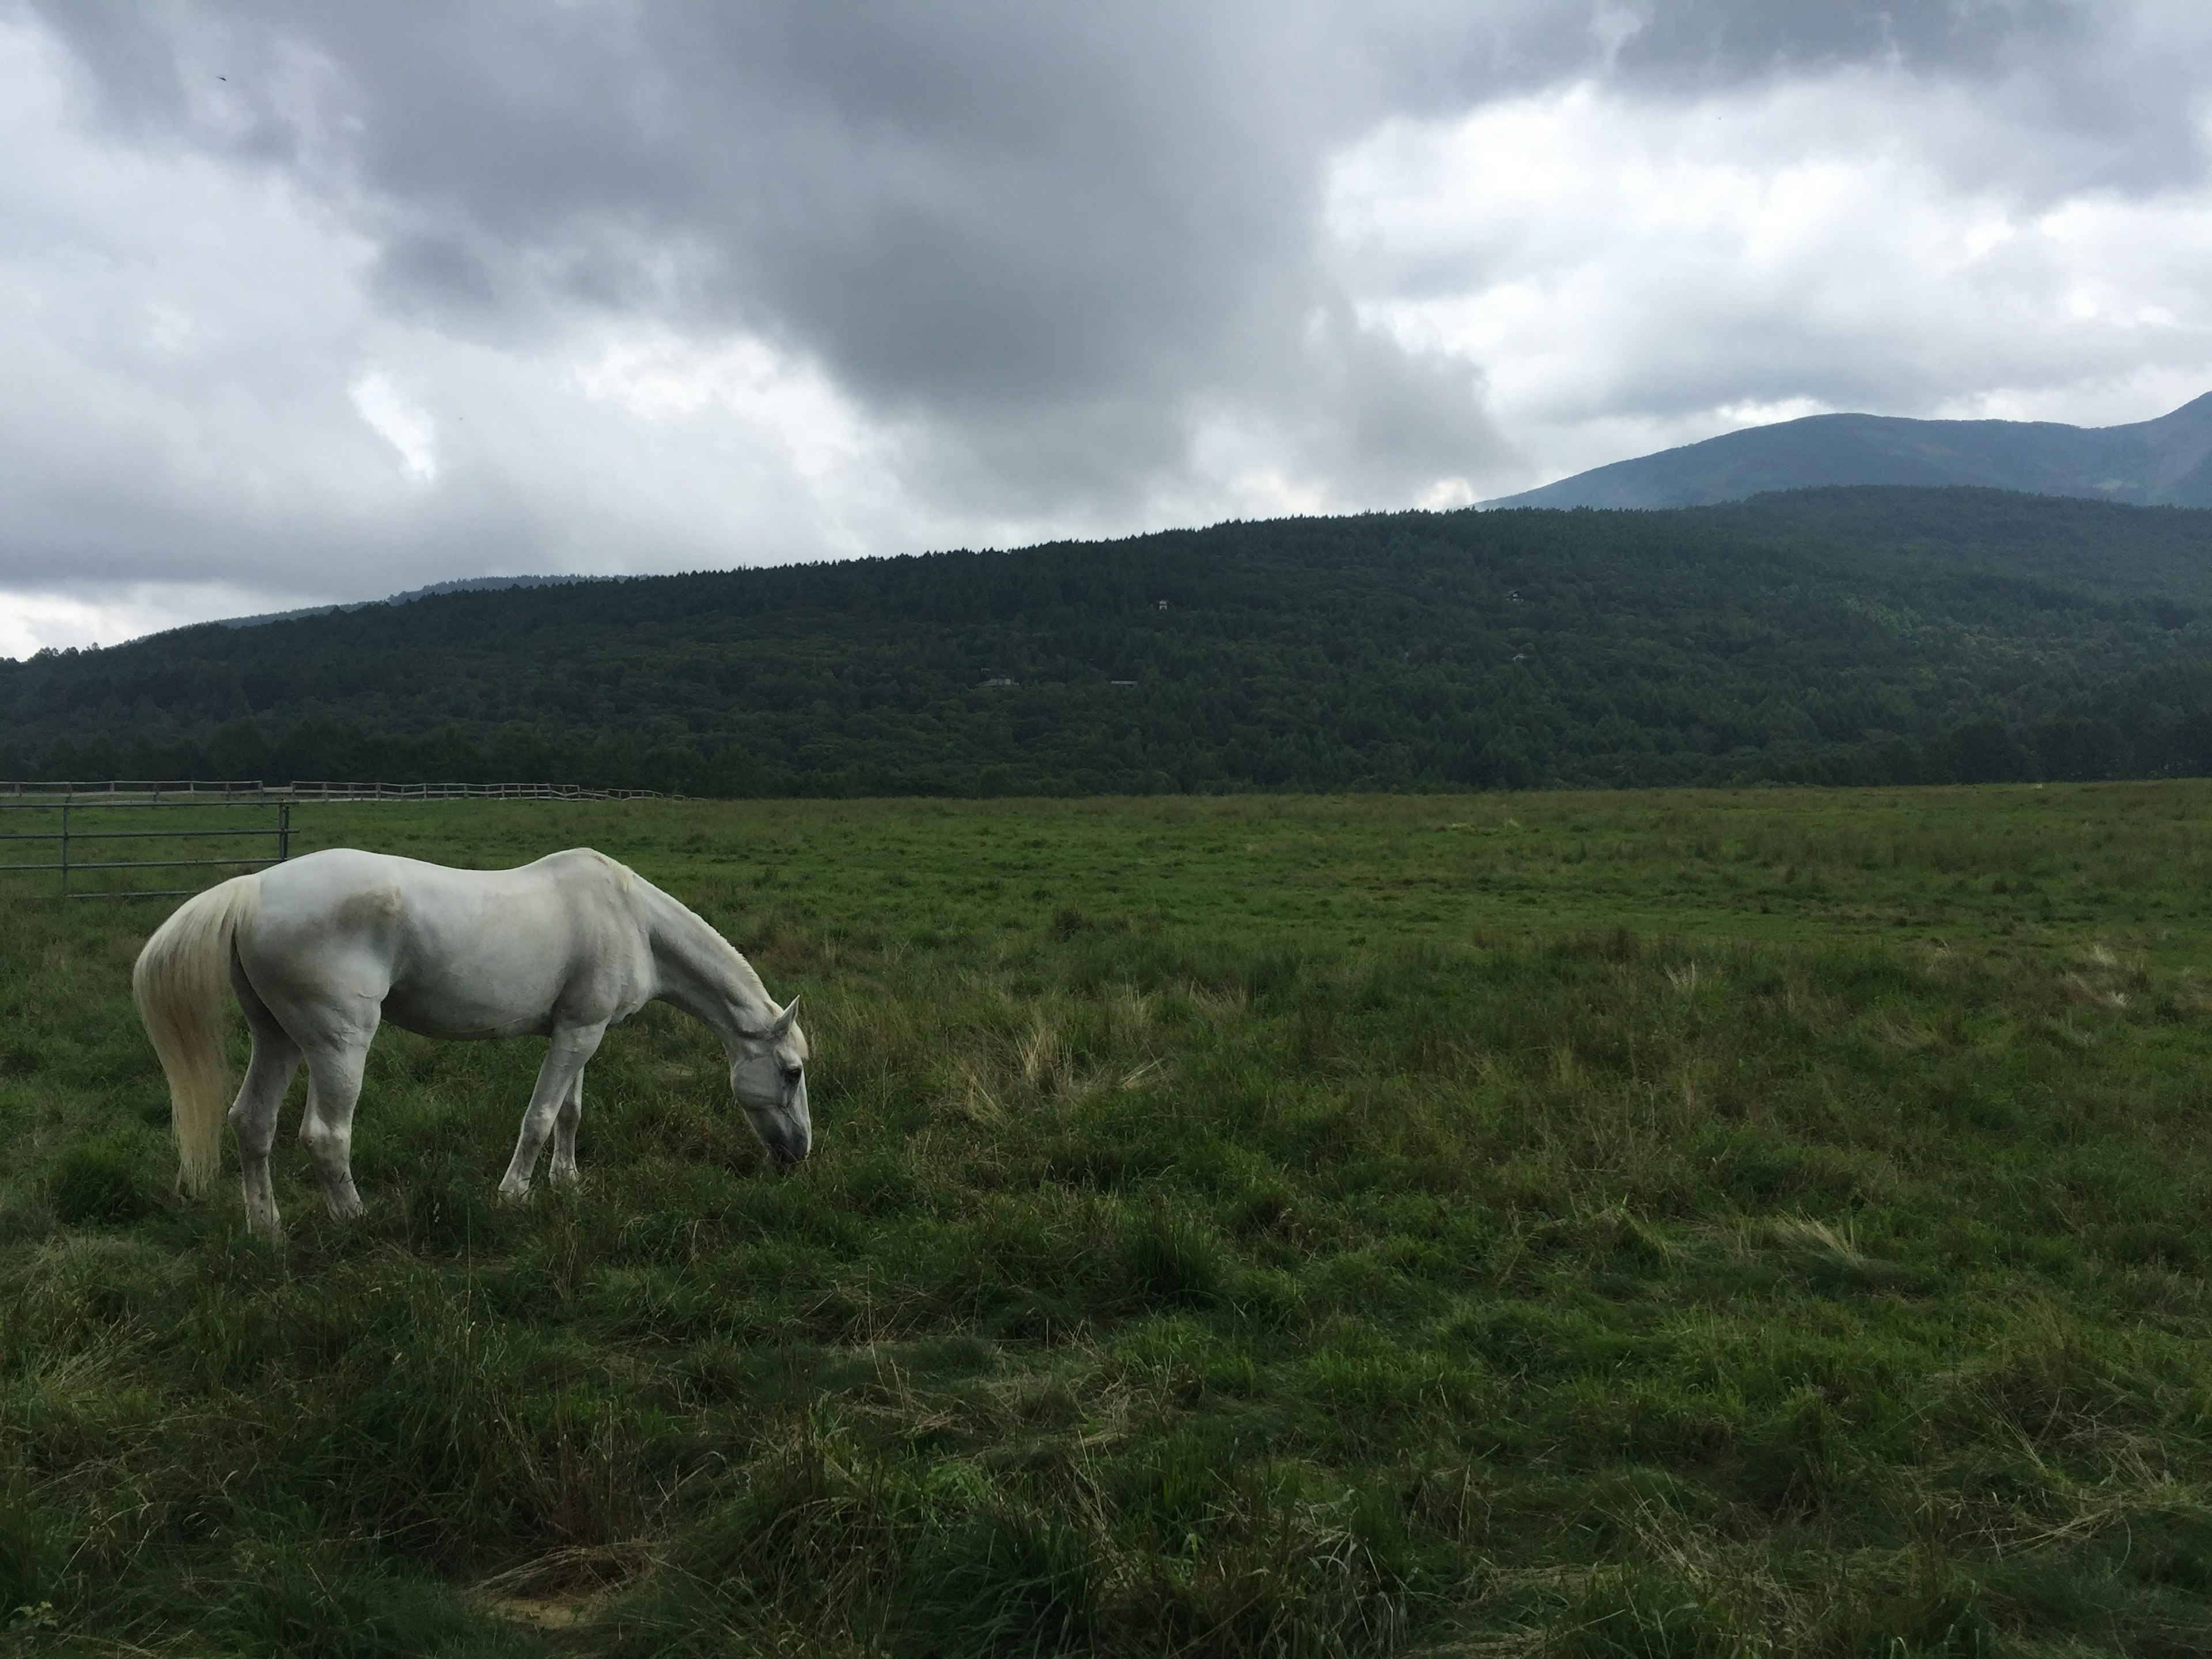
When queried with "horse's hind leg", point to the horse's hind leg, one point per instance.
{"points": [[326, 1128], [562, 1172], [253, 1113]]}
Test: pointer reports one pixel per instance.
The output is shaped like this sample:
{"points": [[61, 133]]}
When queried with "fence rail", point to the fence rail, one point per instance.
{"points": [[198, 789]]}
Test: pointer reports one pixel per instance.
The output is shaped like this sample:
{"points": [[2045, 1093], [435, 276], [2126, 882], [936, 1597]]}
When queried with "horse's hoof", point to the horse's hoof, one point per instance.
{"points": [[514, 1194]]}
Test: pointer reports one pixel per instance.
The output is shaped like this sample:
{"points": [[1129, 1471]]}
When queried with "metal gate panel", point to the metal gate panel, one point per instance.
{"points": [[69, 841]]}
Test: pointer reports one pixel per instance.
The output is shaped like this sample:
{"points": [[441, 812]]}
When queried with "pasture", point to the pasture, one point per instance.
{"points": [[1767, 1222]]}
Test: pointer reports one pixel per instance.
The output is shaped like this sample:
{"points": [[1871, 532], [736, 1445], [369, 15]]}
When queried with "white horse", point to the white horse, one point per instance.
{"points": [[319, 950]]}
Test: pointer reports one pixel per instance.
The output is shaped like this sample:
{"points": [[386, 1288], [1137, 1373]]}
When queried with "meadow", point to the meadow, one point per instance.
{"points": [[1684, 1224]]}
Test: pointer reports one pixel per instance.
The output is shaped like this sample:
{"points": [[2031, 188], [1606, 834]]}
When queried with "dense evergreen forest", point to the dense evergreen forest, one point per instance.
{"points": [[1844, 635]]}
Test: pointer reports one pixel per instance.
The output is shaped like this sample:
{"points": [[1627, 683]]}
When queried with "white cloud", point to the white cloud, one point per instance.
{"points": [[403, 425], [1632, 273]]}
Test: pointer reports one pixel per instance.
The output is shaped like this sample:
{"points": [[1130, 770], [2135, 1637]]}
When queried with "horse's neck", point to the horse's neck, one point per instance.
{"points": [[701, 973]]}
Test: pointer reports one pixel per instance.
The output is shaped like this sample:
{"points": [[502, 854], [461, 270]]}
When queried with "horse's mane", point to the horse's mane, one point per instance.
{"points": [[707, 934], [628, 876]]}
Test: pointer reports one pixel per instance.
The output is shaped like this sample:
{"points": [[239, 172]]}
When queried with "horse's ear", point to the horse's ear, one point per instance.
{"points": [[783, 1026]]}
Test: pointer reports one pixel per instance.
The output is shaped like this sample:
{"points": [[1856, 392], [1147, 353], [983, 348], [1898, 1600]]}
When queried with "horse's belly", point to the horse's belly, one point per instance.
{"points": [[446, 1017], [471, 965]]}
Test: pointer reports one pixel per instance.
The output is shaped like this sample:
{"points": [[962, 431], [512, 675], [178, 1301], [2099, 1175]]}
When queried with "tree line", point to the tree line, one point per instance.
{"points": [[1849, 635]]}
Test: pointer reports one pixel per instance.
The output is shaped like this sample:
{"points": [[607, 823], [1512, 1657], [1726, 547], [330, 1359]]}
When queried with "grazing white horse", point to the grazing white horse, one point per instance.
{"points": [[321, 950]]}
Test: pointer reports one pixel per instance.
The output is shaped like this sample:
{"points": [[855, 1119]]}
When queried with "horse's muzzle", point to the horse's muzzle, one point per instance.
{"points": [[787, 1150]]}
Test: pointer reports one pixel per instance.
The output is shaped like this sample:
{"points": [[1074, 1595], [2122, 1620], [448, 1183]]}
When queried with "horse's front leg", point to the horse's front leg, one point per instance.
{"points": [[563, 1170], [572, 1047]]}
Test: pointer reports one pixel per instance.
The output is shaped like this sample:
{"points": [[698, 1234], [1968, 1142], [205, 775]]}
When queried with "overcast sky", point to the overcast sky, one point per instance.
{"points": [[305, 302]]}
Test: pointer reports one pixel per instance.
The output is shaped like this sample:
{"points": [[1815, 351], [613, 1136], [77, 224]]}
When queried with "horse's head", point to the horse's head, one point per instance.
{"points": [[768, 1074]]}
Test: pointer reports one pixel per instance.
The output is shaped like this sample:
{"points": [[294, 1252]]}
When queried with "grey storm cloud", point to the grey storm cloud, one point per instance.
{"points": [[1046, 251], [983, 215], [975, 209]]}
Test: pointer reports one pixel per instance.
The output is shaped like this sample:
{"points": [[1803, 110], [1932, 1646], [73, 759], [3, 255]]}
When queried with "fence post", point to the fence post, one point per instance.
{"points": [[64, 849], [284, 830]]}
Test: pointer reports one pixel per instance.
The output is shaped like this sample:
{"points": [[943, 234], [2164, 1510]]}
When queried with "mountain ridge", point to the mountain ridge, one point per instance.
{"points": [[459, 585], [2163, 462]]}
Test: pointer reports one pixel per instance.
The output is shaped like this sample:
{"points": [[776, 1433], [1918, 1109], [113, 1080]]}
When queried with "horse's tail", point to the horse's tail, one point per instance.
{"points": [[181, 983]]}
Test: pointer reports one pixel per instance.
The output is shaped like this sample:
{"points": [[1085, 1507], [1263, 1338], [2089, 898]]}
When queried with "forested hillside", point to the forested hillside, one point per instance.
{"points": [[1853, 635]]}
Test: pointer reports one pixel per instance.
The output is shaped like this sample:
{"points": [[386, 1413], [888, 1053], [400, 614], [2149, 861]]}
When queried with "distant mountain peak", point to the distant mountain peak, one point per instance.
{"points": [[2166, 462]]}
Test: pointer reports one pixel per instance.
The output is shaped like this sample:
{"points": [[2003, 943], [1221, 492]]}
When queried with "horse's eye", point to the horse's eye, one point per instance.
{"points": [[792, 1073]]}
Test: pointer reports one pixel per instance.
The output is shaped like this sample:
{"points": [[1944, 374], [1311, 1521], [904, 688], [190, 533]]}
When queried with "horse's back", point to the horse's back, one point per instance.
{"points": [[336, 894], [447, 951], [344, 885]]}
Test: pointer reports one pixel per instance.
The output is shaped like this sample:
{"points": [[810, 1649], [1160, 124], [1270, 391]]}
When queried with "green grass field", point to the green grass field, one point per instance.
{"points": [[1753, 1222]]}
